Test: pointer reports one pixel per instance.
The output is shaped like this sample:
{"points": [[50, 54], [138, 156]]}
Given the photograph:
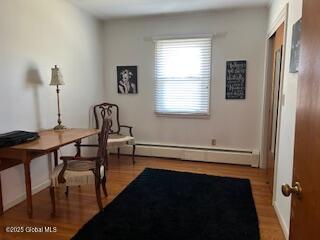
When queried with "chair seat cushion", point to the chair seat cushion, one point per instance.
{"points": [[77, 173], [80, 165], [119, 140]]}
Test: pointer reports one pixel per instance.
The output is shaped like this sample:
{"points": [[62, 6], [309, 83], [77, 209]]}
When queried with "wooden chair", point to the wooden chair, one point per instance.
{"points": [[77, 171], [116, 137]]}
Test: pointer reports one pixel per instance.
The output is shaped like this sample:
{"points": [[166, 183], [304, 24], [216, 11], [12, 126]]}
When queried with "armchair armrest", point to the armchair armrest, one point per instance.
{"points": [[129, 127], [78, 145], [86, 145]]}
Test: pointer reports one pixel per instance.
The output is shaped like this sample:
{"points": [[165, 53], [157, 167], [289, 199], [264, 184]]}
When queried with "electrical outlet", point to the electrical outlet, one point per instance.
{"points": [[213, 142]]}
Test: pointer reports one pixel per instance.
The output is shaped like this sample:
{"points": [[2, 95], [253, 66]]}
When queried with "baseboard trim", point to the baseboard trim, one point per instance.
{"points": [[283, 225], [23, 196], [196, 153]]}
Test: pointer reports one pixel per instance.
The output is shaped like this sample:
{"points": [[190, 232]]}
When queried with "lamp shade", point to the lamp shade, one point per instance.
{"points": [[56, 77]]}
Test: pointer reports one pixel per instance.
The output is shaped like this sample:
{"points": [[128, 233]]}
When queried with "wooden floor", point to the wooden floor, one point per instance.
{"points": [[80, 206]]}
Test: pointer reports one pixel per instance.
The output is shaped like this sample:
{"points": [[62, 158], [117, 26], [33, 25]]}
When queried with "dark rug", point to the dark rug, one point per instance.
{"points": [[165, 205]]}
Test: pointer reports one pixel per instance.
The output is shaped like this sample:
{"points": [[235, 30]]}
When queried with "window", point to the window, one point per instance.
{"points": [[183, 72]]}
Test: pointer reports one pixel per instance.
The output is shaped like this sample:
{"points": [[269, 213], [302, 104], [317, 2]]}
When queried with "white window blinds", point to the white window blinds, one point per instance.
{"points": [[183, 72]]}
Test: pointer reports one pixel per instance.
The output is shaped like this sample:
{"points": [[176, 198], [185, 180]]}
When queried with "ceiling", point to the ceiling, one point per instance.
{"points": [[108, 9]]}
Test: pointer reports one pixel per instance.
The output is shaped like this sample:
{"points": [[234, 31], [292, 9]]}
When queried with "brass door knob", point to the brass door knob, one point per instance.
{"points": [[287, 190]]}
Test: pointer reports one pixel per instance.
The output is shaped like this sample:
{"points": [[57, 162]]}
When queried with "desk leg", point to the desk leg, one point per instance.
{"points": [[1, 204], [26, 163], [55, 153]]}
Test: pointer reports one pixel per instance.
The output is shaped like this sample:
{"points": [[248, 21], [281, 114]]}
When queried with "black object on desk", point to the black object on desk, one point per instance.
{"points": [[17, 137]]}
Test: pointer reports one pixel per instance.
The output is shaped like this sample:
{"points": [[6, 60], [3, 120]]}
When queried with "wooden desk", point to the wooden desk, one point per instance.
{"points": [[49, 141]]}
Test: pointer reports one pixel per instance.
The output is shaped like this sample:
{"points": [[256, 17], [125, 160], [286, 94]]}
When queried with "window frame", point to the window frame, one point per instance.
{"points": [[184, 115]]}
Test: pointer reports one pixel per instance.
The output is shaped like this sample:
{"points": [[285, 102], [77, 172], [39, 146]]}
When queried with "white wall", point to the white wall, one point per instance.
{"points": [[288, 112], [233, 123], [35, 35]]}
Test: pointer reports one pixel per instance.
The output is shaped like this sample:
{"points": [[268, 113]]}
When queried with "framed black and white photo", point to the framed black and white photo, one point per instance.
{"points": [[127, 79], [295, 47]]}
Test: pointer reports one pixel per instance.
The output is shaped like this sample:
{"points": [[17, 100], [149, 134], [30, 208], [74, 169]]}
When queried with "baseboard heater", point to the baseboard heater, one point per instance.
{"points": [[196, 153]]}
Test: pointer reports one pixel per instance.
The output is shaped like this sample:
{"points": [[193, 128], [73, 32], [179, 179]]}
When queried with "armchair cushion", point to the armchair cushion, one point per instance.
{"points": [[77, 173], [71, 158], [119, 140], [80, 165]]}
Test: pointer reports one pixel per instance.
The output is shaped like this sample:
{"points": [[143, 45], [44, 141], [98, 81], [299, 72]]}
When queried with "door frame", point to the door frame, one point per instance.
{"points": [[282, 18]]}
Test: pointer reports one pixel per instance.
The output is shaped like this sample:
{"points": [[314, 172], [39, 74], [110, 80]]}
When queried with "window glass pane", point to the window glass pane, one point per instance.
{"points": [[183, 71]]}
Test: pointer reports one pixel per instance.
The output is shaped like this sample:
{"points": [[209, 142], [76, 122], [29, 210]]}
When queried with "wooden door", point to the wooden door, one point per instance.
{"points": [[305, 214], [277, 43]]}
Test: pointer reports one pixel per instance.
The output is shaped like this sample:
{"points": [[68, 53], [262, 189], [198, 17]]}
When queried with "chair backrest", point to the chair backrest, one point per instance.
{"points": [[103, 139], [110, 111]]}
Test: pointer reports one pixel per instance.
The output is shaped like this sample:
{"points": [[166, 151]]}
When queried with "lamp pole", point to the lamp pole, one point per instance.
{"points": [[59, 126]]}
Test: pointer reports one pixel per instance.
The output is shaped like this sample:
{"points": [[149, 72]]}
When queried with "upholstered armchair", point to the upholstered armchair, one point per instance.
{"points": [[77, 171], [119, 135]]}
